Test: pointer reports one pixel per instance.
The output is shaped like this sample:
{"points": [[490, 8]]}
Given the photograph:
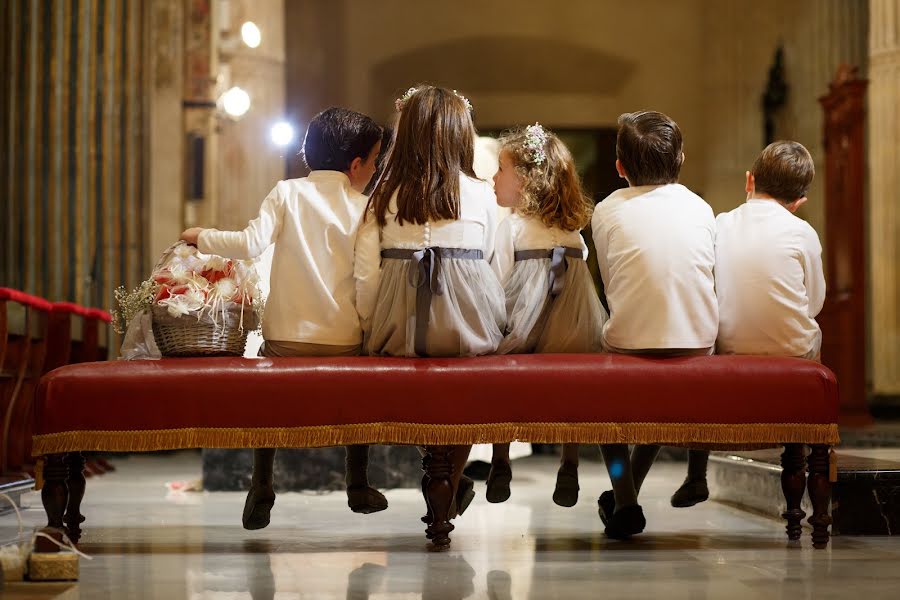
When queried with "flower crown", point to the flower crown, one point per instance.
{"points": [[535, 139], [400, 102]]}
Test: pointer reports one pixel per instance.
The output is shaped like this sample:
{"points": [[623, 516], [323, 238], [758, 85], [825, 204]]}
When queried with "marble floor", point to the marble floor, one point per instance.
{"points": [[147, 543]]}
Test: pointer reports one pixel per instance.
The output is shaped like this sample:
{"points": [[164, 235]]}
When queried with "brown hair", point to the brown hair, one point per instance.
{"points": [[649, 146], [551, 190], [433, 145], [783, 170]]}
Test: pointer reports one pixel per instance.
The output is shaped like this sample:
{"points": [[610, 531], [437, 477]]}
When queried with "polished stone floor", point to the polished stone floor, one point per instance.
{"points": [[147, 543]]}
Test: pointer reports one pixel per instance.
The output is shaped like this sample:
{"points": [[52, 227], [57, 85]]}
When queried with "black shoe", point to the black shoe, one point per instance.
{"points": [[606, 506], [626, 522], [258, 507], [477, 470], [498, 483], [465, 493], [690, 493], [365, 499], [566, 492]]}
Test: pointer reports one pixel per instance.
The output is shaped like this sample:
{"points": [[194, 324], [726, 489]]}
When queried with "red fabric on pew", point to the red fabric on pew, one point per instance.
{"points": [[26, 299], [98, 314], [297, 392], [70, 307]]}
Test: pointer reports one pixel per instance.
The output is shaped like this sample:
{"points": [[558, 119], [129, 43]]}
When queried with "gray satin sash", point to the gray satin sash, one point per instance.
{"points": [[425, 277], [558, 264]]}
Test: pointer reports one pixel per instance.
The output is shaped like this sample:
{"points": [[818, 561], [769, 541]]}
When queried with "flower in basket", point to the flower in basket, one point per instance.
{"points": [[183, 300], [206, 286], [187, 282]]}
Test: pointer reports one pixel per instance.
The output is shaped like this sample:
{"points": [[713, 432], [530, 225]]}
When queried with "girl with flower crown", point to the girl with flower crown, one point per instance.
{"points": [[424, 282], [551, 302]]}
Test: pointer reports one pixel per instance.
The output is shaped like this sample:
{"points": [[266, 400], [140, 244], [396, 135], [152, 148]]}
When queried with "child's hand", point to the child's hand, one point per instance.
{"points": [[190, 235]]}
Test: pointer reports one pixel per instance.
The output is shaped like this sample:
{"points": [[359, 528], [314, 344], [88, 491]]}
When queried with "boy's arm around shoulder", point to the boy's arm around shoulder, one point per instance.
{"points": [[259, 234]]}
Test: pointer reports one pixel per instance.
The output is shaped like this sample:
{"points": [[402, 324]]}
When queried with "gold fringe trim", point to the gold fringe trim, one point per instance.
{"points": [[711, 435]]}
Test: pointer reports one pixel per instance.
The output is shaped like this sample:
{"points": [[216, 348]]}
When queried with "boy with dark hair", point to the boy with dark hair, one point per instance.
{"points": [[311, 309], [655, 248]]}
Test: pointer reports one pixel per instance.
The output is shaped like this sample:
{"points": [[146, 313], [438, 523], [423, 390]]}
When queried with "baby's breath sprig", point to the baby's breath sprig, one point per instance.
{"points": [[535, 142], [132, 303], [400, 102]]}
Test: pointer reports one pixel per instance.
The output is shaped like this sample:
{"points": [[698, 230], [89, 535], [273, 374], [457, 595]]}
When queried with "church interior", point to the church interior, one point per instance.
{"points": [[125, 124]]}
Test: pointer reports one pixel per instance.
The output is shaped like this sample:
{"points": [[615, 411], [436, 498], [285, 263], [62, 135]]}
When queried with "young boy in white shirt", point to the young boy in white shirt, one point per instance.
{"points": [[769, 277], [311, 309], [655, 244]]}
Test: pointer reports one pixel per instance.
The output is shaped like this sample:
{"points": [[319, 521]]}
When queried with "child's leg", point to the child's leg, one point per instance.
{"points": [[361, 497], [500, 476], [618, 465], [261, 497], [566, 492], [627, 518], [694, 490], [642, 458]]}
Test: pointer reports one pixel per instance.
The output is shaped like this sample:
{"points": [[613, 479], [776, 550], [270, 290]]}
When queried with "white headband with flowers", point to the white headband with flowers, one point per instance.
{"points": [[535, 141], [400, 102]]}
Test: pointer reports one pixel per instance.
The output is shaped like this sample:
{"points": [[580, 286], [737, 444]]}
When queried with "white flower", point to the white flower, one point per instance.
{"points": [[215, 263], [176, 305], [194, 299], [183, 251], [535, 140], [225, 288]]}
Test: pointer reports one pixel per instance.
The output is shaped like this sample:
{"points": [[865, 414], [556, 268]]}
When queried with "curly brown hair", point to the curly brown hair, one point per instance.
{"points": [[551, 190]]}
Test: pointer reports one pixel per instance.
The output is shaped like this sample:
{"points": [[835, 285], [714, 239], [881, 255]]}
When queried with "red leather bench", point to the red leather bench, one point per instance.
{"points": [[715, 402]]}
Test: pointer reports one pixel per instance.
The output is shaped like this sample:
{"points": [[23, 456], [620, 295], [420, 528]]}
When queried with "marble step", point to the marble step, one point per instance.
{"points": [[865, 497]]}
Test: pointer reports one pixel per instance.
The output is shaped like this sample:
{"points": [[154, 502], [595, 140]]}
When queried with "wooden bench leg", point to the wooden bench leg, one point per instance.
{"points": [[819, 494], [55, 497], [75, 483], [438, 493], [793, 481]]}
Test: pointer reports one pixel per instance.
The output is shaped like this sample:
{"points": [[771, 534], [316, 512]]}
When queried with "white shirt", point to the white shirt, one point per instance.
{"points": [[656, 252], [528, 233], [313, 222], [769, 281], [475, 230]]}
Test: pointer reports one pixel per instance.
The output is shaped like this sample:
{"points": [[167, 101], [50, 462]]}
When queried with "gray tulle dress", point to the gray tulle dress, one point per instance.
{"points": [[437, 294], [551, 303]]}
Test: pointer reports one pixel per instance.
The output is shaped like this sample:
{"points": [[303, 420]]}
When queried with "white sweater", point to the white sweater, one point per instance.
{"points": [[313, 222], [656, 252], [769, 281]]}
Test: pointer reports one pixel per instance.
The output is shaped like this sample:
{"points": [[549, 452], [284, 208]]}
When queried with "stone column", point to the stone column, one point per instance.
{"points": [[884, 181], [165, 126]]}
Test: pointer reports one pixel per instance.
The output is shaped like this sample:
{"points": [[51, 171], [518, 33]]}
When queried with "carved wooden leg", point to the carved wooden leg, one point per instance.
{"points": [[819, 494], [793, 480], [54, 496], [76, 483], [439, 494]]}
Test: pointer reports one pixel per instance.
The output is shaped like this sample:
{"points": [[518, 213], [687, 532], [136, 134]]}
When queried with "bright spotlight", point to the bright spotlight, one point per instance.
{"points": [[250, 34], [236, 102], [282, 133]]}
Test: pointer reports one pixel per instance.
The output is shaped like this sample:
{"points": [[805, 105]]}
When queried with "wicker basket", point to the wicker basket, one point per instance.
{"points": [[188, 336]]}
